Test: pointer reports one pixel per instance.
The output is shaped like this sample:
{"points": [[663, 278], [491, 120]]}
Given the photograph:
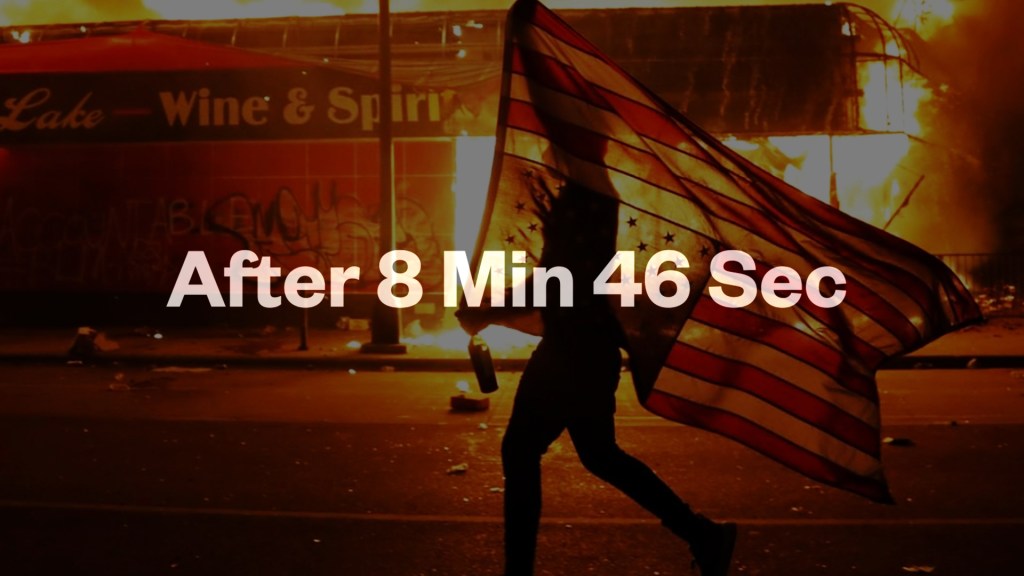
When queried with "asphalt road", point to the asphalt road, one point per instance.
{"points": [[107, 471]]}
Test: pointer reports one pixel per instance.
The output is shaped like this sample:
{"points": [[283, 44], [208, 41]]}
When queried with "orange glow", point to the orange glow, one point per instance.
{"points": [[473, 158], [926, 17], [504, 342], [892, 96], [864, 164], [218, 9]]}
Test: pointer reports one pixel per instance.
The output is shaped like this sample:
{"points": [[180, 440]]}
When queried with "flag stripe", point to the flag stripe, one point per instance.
{"points": [[586, 144], [785, 338], [788, 398], [767, 442], [866, 301], [766, 415], [556, 27], [556, 76], [599, 72], [573, 109], [753, 352]]}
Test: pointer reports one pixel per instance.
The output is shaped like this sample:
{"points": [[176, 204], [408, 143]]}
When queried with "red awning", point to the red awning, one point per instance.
{"points": [[140, 50]]}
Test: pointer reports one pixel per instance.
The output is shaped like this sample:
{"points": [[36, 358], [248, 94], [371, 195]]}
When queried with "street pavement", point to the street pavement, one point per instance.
{"points": [[183, 469]]}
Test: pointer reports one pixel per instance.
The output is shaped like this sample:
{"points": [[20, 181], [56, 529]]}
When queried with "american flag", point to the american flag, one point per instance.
{"points": [[796, 384]]}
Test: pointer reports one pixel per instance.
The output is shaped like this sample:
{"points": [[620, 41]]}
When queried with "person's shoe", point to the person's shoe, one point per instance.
{"points": [[712, 547]]}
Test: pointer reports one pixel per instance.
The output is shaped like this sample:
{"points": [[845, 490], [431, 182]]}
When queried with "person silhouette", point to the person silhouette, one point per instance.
{"points": [[569, 383]]}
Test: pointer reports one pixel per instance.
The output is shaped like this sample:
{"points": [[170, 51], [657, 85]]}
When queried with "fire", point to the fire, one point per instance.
{"points": [[926, 17], [504, 342], [865, 168], [473, 158], [893, 95]]}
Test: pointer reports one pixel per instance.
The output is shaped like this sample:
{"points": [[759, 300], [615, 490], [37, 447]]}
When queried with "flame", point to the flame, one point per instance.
{"points": [[926, 17], [864, 165], [473, 158], [502, 341], [892, 96]]}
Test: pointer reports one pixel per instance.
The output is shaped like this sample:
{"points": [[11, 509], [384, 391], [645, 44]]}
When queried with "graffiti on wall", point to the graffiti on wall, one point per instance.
{"points": [[331, 230], [137, 243], [49, 246]]}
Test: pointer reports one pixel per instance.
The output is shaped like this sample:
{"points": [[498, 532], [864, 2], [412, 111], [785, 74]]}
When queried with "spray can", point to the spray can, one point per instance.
{"points": [[483, 365]]}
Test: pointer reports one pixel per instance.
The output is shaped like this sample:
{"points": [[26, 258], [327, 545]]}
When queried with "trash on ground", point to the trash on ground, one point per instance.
{"points": [[463, 403], [458, 469], [919, 569], [104, 344], [147, 332], [902, 442], [88, 341]]}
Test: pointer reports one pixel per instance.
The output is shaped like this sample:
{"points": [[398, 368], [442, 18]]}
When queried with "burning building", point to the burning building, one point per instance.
{"points": [[124, 145]]}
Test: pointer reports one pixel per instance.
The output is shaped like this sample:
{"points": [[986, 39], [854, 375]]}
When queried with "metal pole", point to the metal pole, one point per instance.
{"points": [[385, 327], [833, 184]]}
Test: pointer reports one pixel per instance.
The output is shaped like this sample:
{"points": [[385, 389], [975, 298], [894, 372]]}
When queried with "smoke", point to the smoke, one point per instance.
{"points": [[975, 126]]}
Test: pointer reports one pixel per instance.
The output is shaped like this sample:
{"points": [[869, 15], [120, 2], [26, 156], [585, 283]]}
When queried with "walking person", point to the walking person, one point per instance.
{"points": [[569, 384]]}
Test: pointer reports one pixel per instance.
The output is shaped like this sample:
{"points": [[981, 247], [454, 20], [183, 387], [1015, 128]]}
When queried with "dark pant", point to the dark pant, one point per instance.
{"points": [[541, 412]]}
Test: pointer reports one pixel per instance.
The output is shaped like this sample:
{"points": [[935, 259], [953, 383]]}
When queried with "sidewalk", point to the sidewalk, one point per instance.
{"points": [[269, 347], [999, 343]]}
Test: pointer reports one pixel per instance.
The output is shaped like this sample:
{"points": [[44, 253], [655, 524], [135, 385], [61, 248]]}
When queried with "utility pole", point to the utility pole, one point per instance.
{"points": [[386, 323]]}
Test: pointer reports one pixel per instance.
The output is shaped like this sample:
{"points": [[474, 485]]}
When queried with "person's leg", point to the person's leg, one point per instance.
{"points": [[530, 432], [711, 542], [594, 439]]}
